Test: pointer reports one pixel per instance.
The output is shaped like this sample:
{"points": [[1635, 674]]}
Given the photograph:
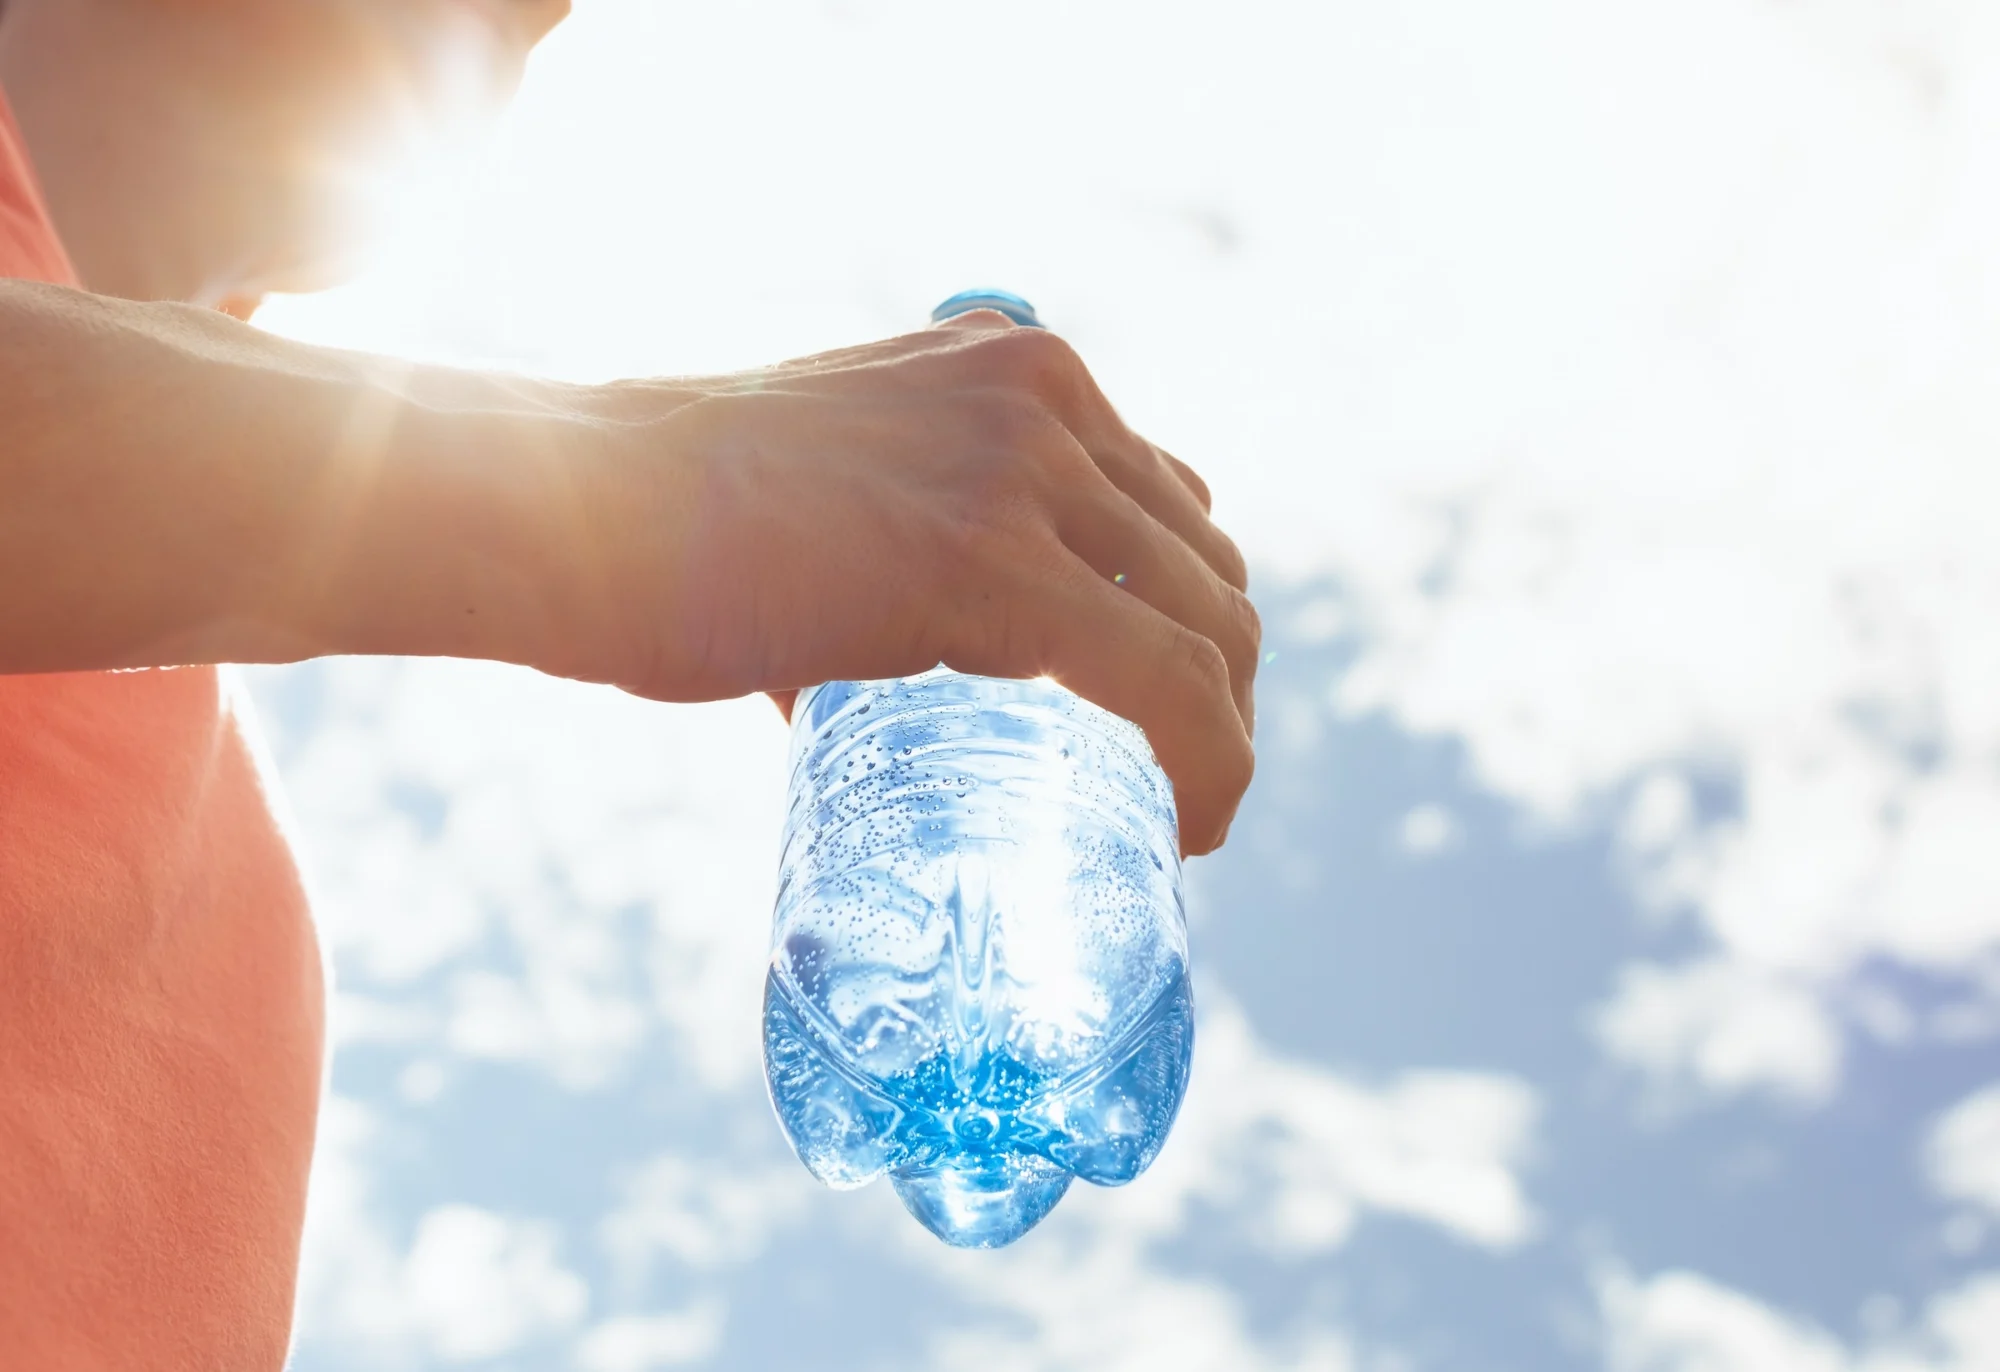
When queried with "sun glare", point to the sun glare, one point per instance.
{"points": [[419, 165]]}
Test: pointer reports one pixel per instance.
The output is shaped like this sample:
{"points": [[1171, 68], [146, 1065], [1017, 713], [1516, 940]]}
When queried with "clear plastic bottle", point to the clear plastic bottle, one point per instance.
{"points": [[979, 978]]}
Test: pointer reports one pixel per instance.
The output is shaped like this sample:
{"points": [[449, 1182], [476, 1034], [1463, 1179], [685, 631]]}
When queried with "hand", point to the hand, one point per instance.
{"points": [[964, 495]]}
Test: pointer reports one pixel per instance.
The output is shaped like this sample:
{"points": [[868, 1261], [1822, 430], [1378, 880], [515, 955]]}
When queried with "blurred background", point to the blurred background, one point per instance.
{"points": [[1605, 970]]}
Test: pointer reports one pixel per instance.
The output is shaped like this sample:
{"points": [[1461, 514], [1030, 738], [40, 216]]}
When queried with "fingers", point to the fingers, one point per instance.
{"points": [[1117, 651], [1134, 599], [1125, 545], [1149, 477], [1165, 487]]}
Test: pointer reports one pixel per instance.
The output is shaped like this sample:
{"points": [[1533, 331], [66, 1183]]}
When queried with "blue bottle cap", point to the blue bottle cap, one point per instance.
{"points": [[1008, 303]]}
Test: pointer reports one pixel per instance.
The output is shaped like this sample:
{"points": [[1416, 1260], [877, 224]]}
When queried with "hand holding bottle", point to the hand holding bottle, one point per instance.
{"points": [[963, 495]]}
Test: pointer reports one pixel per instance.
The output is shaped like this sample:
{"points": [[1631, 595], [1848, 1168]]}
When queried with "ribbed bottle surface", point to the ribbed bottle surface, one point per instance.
{"points": [[978, 979]]}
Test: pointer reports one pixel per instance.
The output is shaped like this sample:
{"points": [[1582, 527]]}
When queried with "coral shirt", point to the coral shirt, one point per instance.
{"points": [[160, 1003]]}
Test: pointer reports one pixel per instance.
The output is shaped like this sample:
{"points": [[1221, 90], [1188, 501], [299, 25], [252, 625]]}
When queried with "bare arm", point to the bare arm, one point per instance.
{"points": [[178, 488]]}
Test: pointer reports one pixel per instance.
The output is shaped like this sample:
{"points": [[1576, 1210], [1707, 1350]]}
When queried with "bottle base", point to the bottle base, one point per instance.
{"points": [[988, 1204]]}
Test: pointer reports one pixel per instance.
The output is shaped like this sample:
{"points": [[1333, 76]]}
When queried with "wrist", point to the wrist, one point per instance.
{"points": [[448, 530]]}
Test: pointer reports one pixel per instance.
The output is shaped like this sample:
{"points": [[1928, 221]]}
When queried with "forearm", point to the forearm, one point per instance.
{"points": [[175, 488]]}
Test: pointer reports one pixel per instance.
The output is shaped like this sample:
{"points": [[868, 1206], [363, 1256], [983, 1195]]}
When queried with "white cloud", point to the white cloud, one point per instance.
{"points": [[480, 1284], [1964, 1326], [1962, 1234], [1102, 1307], [467, 818], [348, 1266], [1684, 1322], [1747, 535], [639, 1343], [704, 1213], [1962, 1152], [358, 1019], [707, 1214], [1722, 1025], [1299, 1153], [1294, 1156], [1428, 830], [473, 1284], [580, 1034]]}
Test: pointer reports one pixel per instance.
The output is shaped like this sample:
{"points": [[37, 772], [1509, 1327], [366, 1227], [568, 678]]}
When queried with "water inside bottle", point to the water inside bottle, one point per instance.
{"points": [[979, 981], [979, 1156]]}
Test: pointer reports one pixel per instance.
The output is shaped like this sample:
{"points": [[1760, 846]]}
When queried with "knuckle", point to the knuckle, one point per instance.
{"points": [[1253, 622], [1246, 625], [1201, 663], [1231, 567], [1033, 447], [1035, 358], [1018, 423], [1186, 476], [1011, 429], [1001, 437], [1040, 347], [1198, 486], [985, 317]]}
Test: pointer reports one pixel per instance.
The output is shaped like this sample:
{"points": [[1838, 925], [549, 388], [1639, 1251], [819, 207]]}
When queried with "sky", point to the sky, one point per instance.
{"points": [[1605, 970]]}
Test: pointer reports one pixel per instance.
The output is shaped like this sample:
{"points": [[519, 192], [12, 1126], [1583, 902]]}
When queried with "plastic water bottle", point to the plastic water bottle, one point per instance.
{"points": [[978, 979]]}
